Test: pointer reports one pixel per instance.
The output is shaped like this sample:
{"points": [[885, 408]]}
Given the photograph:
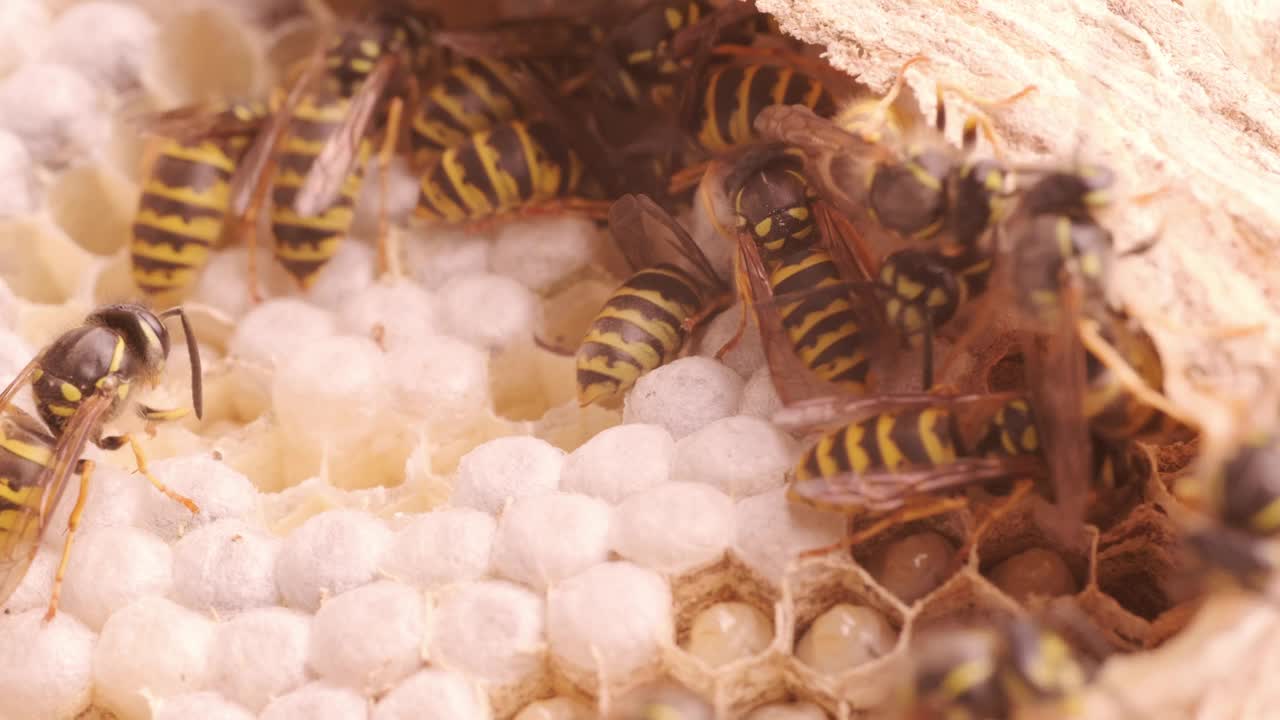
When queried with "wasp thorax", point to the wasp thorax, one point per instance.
{"points": [[910, 198], [144, 334]]}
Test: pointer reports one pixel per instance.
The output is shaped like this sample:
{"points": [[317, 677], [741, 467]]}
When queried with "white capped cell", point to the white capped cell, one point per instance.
{"points": [[432, 695], [24, 26], [772, 532], [55, 111], [203, 705], [330, 391], [609, 619], [224, 281], [439, 378], [747, 354], [216, 488], [543, 539], [371, 637], [684, 395], [619, 462], [674, 527], [351, 269], [329, 554], [115, 500], [441, 547], [111, 567], [490, 311], [46, 669], [260, 654], [506, 469], [108, 42], [445, 255], [18, 189], [225, 568], [317, 701], [759, 396], [539, 253], [150, 650], [558, 708], [400, 312], [492, 631], [740, 455], [844, 637], [264, 338], [37, 584]]}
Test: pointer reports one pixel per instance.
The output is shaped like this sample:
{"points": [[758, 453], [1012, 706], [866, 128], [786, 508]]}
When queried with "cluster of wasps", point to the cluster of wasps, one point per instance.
{"points": [[863, 238]]}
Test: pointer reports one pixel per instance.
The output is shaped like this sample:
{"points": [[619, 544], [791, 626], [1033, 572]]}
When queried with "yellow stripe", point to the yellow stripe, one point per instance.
{"points": [[740, 128], [214, 198], [117, 356], [938, 448], [38, 454], [890, 454], [206, 229], [205, 153]]}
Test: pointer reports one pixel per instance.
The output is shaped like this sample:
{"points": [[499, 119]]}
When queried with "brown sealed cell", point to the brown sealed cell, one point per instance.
{"points": [[912, 559], [1017, 555], [730, 636]]}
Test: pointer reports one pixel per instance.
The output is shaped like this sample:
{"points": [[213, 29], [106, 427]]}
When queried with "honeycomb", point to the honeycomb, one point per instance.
{"points": [[366, 445]]}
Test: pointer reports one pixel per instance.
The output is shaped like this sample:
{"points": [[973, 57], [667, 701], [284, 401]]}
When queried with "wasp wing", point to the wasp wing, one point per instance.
{"points": [[648, 236], [336, 159], [541, 37], [885, 491]]}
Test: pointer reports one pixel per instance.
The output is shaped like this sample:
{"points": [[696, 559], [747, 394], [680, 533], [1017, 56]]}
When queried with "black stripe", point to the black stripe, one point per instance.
{"points": [[169, 207], [551, 144], [506, 142], [587, 378], [840, 451], [649, 310], [870, 444], [829, 324], [177, 172], [439, 179], [312, 130], [907, 435], [760, 96], [296, 162], [810, 461], [159, 236], [856, 373], [846, 346], [825, 107], [302, 270], [500, 85], [591, 350], [676, 288], [467, 157], [726, 99], [632, 333], [807, 279]]}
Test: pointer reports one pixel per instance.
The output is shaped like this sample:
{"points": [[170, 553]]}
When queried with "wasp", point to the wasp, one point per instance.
{"points": [[186, 192], [646, 322], [991, 672], [81, 381], [899, 459]]}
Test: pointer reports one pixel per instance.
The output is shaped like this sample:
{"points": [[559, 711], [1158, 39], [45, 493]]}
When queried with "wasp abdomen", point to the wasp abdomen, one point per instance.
{"points": [[733, 95], [640, 328], [820, 318], [916, 439]]}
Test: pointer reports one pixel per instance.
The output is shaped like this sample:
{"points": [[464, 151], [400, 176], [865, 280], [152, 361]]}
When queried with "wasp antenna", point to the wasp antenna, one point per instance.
{"points": [[193, 353]]}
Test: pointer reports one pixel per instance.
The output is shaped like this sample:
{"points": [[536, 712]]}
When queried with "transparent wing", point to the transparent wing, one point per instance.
{"points": [[18, 543], [335, 160], [524, 38], [882, 492], [18, 546], [647, 235], [196, 122]]}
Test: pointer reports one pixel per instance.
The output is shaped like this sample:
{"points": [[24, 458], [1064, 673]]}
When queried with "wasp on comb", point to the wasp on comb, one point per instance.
{"points": [[81, 381]]}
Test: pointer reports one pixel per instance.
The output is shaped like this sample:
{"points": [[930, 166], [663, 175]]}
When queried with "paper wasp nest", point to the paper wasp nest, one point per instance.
{"points": [[405, 513]]}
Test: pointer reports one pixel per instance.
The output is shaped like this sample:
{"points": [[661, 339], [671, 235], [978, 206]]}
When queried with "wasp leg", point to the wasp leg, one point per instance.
{"points": [[85, 469], [118, 441], [879, 115], [1020, 490], [926, 509], [687, 177], [1106, 353], [744, 294], [388, 252]]}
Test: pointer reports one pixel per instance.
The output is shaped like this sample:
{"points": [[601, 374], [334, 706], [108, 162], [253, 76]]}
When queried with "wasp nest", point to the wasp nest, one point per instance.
{"points": [[404, 512]]}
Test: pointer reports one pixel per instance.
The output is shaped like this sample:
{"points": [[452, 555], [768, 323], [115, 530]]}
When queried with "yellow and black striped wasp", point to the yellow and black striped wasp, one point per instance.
{"points": [[81, 381], [647, 321], [993, 671], [187, 183], [893, 459]]}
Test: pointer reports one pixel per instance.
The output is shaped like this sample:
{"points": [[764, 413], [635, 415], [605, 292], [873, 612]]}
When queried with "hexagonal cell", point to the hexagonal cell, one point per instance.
{"points": [[965, 600], [1137, 565], [1017, 555], [847, 633], [662, 698], [912, 559], [730, 635], [1007, 374]]}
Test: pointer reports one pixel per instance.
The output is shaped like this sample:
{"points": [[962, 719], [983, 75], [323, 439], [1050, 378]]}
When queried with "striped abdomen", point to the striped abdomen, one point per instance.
{"points": [[915, 439], [304, 245], [733, 95], [26, 449], [772, 206], [474, 95], [180, 214], [640, 328], [496, 171], [820, 318], [1010, 432]]}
